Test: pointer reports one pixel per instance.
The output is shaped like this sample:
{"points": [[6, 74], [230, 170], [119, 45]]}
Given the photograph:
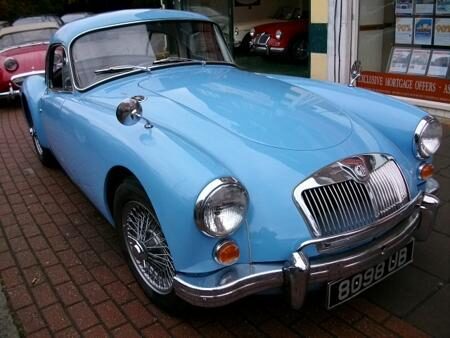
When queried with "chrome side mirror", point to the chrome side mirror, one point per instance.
{"points": [[355, 73], [129, 112]]}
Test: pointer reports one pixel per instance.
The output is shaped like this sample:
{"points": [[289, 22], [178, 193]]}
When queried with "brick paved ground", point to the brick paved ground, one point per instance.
{"points": [[64, 275]]}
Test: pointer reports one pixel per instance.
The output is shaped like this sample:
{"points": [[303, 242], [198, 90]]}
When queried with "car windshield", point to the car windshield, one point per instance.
{"points": [[26, 37], [288, 13], [99, 55]]}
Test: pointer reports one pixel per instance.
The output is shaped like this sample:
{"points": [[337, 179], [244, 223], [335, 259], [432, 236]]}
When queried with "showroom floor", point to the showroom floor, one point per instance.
{"points": [[63, 273]]}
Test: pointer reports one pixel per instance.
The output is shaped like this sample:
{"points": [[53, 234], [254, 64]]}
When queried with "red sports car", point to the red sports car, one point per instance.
{"points": [[287, 38], [22, 53]]}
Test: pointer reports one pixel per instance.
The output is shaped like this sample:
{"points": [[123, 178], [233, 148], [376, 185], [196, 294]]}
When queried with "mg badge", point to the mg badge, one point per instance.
{"points": [[361, 171], [357, 167]]}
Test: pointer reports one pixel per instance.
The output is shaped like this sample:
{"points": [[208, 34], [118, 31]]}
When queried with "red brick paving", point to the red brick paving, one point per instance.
{"points": [[64, 275]]}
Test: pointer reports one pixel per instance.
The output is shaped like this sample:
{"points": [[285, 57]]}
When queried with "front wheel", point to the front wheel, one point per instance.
{"points": [[144, 244], [299, 50]]}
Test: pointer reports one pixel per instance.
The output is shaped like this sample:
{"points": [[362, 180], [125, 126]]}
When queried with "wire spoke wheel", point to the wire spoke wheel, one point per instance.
{"points": [[147, 247]]}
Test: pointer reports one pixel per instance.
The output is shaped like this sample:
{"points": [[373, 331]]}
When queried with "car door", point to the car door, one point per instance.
{"points": [[68, 124], [54, 116]]}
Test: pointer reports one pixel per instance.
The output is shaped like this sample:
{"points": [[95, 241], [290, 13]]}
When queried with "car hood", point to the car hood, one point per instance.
{"points": [[247, 25], [256, 108], [272, 27]]}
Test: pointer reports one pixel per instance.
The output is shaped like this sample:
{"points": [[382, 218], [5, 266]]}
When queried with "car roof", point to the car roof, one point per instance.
{"points": [[67, 33], [28, 27]]}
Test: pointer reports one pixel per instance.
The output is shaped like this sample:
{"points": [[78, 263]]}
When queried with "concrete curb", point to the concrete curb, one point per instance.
{"points": [[7, 327]]}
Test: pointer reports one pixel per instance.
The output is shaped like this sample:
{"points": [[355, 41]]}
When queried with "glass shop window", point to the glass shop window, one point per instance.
{"points": [[404, 47]]}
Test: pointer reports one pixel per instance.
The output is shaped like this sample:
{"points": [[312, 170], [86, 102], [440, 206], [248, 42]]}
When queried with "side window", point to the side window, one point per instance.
{"points": [[59, 72]]}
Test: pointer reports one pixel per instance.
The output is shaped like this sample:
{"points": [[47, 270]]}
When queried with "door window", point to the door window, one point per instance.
{"points": [[59, 70]]}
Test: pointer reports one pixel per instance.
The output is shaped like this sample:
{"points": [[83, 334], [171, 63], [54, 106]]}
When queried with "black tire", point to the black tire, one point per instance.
{"points": [[299, 50], [130, 200], [45, 155], [244, 47]]}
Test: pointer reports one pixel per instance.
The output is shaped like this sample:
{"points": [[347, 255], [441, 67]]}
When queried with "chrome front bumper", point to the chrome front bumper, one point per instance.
{"points": [[241, 280], [259, 49], [10, 93]]}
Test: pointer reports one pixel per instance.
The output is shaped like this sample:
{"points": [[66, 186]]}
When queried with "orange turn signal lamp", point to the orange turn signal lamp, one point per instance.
{"points": [[426, 171], [226, 252]]}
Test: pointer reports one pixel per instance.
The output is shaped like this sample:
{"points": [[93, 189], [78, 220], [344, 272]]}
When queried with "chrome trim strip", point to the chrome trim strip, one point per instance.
{"points": [[18, 79], [25, 45]]}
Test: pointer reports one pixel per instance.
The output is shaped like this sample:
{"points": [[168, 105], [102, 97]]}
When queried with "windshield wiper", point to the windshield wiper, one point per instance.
{"points": [[123, 68], [175, 59]]}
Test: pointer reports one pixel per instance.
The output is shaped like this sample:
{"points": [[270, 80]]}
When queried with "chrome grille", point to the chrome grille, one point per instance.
{"points": [[263, 39], [352, 204]]}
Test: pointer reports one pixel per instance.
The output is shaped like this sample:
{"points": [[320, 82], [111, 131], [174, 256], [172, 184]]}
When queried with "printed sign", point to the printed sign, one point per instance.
{"points": [[419, 61], [443, 7], [399, 60], [423, 31], [424, 7], [404, 31], [439, 64], [403, 7], [442, 32], [419, 87]]}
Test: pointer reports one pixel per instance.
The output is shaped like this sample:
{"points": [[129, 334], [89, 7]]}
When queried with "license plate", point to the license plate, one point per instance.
{"points": [[342, 290]]}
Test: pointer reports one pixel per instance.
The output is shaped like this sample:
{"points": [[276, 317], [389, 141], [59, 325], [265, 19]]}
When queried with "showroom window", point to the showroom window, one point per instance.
{"points": [[404, 47]]}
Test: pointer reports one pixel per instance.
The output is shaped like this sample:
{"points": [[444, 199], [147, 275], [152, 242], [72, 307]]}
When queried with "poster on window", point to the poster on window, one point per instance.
{"points": [[424, 7], [443, 7], [439, 64], [399, 60], [442, 32], [418, 63], [404, 31], [403, 7], [423, 31]]}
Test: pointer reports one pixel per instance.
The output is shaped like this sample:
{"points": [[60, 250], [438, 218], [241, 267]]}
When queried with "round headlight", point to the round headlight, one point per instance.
{"points": [[236, 31], [221, 207], [427, 138], [278, 34], [11, 64], [252, 32]]}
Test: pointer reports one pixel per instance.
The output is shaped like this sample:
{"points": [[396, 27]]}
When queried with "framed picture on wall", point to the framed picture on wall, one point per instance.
{"points": [[399, 61], [423, 31], [439, 64], [442, 32], [403, 7], [418, 63], [240, 3], [443, 7], [404, 29], [424, 7]]}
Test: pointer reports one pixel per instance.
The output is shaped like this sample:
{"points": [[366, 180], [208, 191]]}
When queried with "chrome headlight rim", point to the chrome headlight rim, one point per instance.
{"points": [[252, 32], [208, 192], [11, 64], [420, 149]]}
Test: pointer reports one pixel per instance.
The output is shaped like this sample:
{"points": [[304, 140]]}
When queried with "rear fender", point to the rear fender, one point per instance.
{"points": [[33, 88]]}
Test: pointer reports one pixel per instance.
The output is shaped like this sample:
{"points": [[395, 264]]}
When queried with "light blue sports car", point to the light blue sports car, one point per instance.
{"points": [[223, 183]]}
